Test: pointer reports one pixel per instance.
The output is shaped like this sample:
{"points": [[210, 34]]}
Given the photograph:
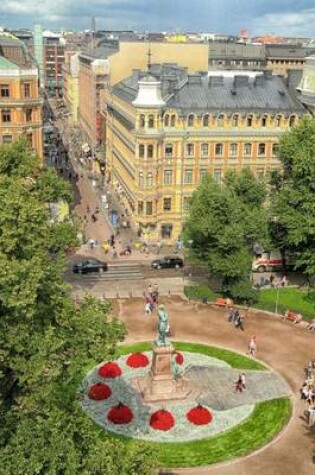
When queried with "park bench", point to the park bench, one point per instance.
{"points": [[294, 317]]}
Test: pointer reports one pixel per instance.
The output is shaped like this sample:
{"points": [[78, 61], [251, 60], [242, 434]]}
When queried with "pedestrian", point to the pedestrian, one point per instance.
{"points": [[147, 309], [284, 281], [70, 176], [240, 384], [94, 218], [88, 209], [271, 279], [150, 290], [230, 314], [252, 346], [112, 240]]}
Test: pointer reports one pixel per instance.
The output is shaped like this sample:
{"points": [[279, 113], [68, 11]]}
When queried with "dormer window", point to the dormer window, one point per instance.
{"points": [[142, 120], [205, 120], [151, 122], [190, 120]]}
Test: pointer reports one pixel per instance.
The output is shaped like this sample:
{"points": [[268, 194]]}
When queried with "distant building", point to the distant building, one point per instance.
{"points": [[306, 87], [236, 56], [20, 102], [166, 129], [70, 85], [283, 58]]}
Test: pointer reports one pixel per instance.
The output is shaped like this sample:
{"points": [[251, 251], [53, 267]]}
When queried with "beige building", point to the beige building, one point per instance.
{"points": [[20, 103], [166, 129]]}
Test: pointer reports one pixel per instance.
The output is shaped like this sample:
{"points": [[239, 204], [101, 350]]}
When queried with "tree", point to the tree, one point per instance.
{"points": [[223, 223], [47, 341], [293, 196]]}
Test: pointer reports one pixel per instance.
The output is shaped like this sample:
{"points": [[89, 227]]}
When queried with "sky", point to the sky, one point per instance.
{"points": [[258, 17]]}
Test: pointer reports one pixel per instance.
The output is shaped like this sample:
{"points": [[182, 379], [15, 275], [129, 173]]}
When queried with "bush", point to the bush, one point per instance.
{"points": [[241, 291], [200, 292]]}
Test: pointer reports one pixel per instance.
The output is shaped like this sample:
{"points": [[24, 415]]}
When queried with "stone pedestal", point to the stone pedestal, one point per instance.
{"points": [[160, 384]]}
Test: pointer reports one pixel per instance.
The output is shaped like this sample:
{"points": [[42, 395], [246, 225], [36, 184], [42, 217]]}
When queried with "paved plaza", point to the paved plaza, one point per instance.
{"points": [[284, 347]]}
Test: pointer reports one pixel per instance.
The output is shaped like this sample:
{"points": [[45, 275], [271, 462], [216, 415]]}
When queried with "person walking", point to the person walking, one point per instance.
{"points": [[252, 346], [240, 384]]}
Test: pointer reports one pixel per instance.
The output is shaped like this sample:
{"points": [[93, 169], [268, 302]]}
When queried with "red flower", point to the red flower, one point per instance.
{"points": [[109, 370], [199, 415], [120, 414], [179, 358], [137, 360], [99, 391], [162, 420]]}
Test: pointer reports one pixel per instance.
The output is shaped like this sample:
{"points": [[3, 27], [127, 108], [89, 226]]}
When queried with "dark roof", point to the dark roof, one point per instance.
{"points": [[199, 93], [288, 51], [101, 52], [236, 50]]}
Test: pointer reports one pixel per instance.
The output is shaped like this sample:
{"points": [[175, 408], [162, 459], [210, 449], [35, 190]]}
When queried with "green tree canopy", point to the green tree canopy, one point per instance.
{"points": [[293, 195]]}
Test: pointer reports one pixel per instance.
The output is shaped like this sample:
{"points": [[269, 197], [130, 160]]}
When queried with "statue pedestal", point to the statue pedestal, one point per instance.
{"points": [[160, 384]]}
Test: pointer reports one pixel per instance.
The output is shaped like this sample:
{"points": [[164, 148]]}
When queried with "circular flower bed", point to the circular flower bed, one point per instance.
{"points": [[162, 420], [120, 414], [199, 415], [179, 358], [109, 370], [137, 360], [99, 392]]}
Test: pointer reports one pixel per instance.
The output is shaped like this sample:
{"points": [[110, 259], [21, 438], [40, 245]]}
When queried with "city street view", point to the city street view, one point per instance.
{"points": [[157, 242]]}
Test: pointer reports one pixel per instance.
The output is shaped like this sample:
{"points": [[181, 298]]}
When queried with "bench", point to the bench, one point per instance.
{"points": [[292, 316], [223, 302]]}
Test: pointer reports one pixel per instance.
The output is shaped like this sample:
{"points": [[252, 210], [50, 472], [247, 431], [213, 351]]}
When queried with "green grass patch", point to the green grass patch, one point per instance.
{"points": [[199, 292], [267, 419], [235, 360], [288, 298]]}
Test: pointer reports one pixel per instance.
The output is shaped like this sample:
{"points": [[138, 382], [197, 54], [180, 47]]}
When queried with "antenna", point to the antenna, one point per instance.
{"points": [[149, 54]]}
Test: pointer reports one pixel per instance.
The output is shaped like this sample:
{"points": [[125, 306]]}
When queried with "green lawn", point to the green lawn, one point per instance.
{"points": [[289, 298], [267, 419], [199, 292]]}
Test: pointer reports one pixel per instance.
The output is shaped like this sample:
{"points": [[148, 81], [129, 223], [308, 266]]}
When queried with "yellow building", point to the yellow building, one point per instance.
{"points": [[167, 129], [71, 85], [20, 105]]}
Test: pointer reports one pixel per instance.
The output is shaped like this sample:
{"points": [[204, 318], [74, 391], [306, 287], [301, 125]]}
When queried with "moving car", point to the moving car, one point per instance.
{"points": [[91, 265], [168, 262]]}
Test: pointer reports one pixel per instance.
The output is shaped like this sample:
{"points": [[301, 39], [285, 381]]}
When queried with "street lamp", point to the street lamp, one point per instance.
{"points": [[277, 299]]}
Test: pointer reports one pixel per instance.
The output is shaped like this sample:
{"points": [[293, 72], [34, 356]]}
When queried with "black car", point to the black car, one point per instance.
{"points": [[168, 262], [91, 265]]}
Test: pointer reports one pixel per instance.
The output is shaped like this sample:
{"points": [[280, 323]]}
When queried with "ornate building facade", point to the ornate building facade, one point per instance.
{"points": [[166, 129]]}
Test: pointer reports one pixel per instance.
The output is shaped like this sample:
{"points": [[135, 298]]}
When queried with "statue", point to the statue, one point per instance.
{"points": [[163, 327]]}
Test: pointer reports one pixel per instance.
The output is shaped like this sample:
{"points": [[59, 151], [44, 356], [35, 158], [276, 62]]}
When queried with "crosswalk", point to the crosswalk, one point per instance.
{"points": [[114, 273]]}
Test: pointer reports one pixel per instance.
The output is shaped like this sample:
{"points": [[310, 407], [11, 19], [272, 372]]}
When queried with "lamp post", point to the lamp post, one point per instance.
{"points": [[277, 299]]}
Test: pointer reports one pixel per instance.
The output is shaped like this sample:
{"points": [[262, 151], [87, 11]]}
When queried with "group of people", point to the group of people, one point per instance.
{"points": [[151, 298], [236, 318], [308, 386]]}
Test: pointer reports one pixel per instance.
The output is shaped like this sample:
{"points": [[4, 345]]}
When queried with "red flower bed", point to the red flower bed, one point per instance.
{"points": [[179, 358], [120, 414], [199, 415], [162, 420], [99, 392], [109, 370], [137, 360]]}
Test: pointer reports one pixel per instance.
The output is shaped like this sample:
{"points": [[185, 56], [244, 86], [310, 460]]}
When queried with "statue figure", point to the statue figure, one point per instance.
{"points": [[163, 327]]}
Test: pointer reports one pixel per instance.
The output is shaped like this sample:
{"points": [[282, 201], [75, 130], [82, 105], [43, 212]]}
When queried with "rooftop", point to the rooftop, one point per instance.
{"points": [[6, 64]]}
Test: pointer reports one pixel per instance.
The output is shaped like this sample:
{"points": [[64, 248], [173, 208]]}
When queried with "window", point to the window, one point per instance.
{"points": [[168, 177], [202, 174], [188, 177], [6, 115], [263, 121], [205, 120], [149, 179], [167, 204], [168, 150], [29, 139], [140, 207], [173, 120], [141, 180], [149, 208], [190, 150], [249, 121], [166, 231], [7, 139], [233, 149], [235, 120], [292, 120], [141, 151], [220, 120], [247, 149], [217, 175], [142, 120], [28, 115], [261, 149], [186, 202], [275, 149], [151, 121], [190, 120], [150, 151], [167, 120], [27, 89], [204, 149], [218, 149], [4, 90], [278, 120]]}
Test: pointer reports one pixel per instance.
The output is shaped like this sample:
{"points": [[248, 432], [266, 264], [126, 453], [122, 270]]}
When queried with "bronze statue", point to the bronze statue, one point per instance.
{"points": [[163, 327]]}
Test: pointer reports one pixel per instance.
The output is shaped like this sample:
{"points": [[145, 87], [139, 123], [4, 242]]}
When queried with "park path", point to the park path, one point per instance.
{"points": [[283, 346]]}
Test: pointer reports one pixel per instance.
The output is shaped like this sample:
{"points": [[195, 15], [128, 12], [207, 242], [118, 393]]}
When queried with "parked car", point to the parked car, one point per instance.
{"points": [[92, 265], [168, 262]]}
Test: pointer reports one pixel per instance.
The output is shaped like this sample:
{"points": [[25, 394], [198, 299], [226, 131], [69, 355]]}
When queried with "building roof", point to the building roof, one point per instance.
{"points": [[288, 51], [236, 50], [101, 52], [198, 93], [6, 64]]}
